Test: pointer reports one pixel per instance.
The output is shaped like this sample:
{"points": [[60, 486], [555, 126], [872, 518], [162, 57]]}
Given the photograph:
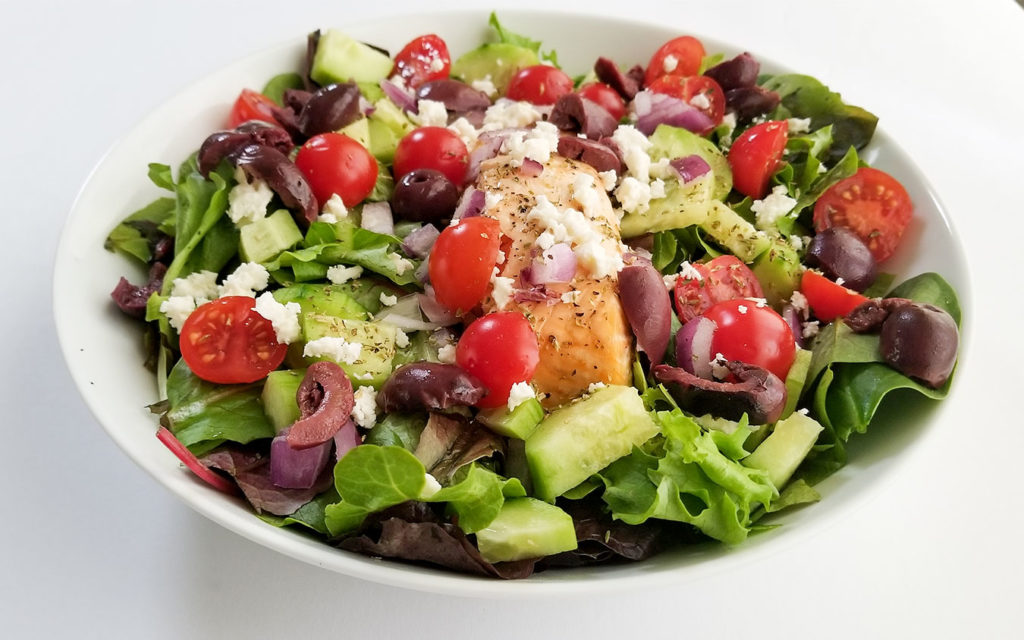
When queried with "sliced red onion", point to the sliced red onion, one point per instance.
{"points": [[471, 204], [531, 168], [792, 318], [539, 293], [365, 106], [418, 243], [434, 310], [488, 146], [346, 439], [377, 217], [557, 264], [402, 97], [296, 468], [422, 272], [648, 309], [405, 314], [693, 346], [653, 109], [690, 167]]}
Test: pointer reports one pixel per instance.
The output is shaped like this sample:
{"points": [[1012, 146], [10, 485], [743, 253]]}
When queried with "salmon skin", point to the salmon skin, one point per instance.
{"points": [[580, 325]]}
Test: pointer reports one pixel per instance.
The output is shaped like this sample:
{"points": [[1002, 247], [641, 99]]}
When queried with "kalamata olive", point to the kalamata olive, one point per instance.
{"points": [[750, 102], [840, 253], [325, 400], [573, 112], [759, 393], [429, 386], [921, 341], [648, 308], [625, 84], [596, 154], [424, 195], [740, 71], [330, 108], [456, 96], [282, 176]]}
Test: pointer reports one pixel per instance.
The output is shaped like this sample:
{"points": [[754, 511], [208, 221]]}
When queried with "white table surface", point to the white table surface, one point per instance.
{"points": [[93, 547]]}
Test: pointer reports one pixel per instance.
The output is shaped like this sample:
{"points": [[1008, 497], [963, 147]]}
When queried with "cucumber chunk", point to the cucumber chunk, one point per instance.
{"points": [[778, 270], [730, 230], [264, 239], [374, 364], [325, 299], [787, 446], [518, 423], [340, 58], [498, 61], [526, 528], [580, 439], [278, 397]]}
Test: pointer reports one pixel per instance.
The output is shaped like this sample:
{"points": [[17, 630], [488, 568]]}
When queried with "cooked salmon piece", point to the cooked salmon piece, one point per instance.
{"points": [[580, 325]]}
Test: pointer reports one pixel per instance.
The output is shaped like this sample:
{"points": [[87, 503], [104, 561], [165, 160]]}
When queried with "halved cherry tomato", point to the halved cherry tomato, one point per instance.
{"points": [[500, 349], [678, 57], [605, 96], [335, 163], [753, 334], [435, 148], [462, 260], [756, 155], [187, 458], [540, 84], [689, 88], [251, 105], [424, 59], [828, 300], [722, 278], [227, 342], [871, 203]]}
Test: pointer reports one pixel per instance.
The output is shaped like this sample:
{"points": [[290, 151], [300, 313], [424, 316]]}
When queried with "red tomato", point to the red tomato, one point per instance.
{"points": [[678, 57], [688, 88], [335, 163], [424, 59], [251, 105], [723, 278], [828, 300], [540, 84], [500, 349], [187, 458], [752, 334], [462, 260], [756, 155], [435, 148], [227, 342], [871, 203], [602, 94]]}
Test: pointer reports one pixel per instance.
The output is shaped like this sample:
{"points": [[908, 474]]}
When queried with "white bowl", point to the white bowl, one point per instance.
{"points": [[103, 348]]}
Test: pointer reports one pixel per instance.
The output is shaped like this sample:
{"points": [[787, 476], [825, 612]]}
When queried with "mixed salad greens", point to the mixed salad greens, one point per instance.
{"points": [[483, 315]]}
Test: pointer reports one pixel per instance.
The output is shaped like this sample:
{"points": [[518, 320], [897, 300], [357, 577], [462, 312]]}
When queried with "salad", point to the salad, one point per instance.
{"points": [[479, 314]]}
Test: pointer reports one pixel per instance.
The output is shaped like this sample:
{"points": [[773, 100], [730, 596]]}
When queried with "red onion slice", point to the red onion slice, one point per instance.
{"points": [[471, 204], [419, 243], [296, 468], [653, 109], [406, 315], [690, 167], [488, 146], [376, 216], [531, 168], [693, 346], [792, 318], [434, 310], [346, 439], [402, 97], [557, 264]]}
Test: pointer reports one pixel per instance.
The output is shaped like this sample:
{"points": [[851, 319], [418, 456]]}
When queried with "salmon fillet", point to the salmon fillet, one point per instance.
{"points": [[580, 327]]}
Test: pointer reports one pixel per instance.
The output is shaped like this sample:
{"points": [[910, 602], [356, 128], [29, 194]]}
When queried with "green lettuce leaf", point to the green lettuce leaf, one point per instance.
{"points": [[509, 37], [276, 86], [134, 235]]}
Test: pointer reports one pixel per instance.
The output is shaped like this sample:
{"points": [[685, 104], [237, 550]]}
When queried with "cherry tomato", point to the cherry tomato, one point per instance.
{"points": [[871, 203], [756, 155], [435, 148], [189, 459], [227, 342], [462, 260], [335, 163], [712, 104], [540, 84], [500, 349], [723, 278], [828, 300], [602, 94], [752, 334], [251, 105], [424, 59], [678, 57]]}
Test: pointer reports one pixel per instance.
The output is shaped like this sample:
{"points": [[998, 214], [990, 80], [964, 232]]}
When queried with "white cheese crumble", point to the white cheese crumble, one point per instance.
{"points": [[364, 411], [201, 286], [670, 63], [246, 280], [700, 101], [536, 144], [600, 262], [742, 308], [178, 309], [436, 65], [491, 199], [329, 218], [388, 301], [689, 271], [486, 85], [799, 303], [501, 290], [594, 386], [718, 368], [430, 113], [520, 393], [509, 114], [334, 208], [337, 349], [401, 339], [588, 197], [446, 354], [571, 297], [401, 264], [798, 125], [775, 205], [248, 201], [729, 122], [501, 257], [634, 146], [340, 274], [608, 179], [283, 317], [465, 130], [633, 195], [593, 250], [810, 329]]}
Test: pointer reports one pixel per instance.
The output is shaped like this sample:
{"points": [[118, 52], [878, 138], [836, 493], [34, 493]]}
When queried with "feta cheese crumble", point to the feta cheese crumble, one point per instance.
{"points": [[608, 179], [248, 201], [201, 286], [520, 393], [283, 317], [718, 368], [509, 114], [465, 130], [246, 280], [388, 301], [334, 208], [364, 411], [401, 339], [430, 113], [337, 349], [571, 297], [486, 85], [799, 125], [594, 386], [400, 264], [536, 144], [446, 354], [700, 101], [501, 289], [178, 309], [340, 274], [774, 206]]}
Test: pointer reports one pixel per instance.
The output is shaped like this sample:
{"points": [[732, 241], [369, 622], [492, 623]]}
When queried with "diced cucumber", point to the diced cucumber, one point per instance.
{"points": [[340, 58], [386, 126], [526, 528], [325, 299], [787, 446], [683, 205], [734, 233], [580, 439], [264, 239], [676, 142], [795, 380], [778, 269], [518, 423], [374, 364], [498, 61], [279, 397], [358, 131]]}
